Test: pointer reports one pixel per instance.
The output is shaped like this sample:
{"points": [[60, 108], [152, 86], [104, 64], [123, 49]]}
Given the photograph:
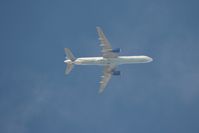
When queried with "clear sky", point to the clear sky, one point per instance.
{"points": [[158, 97]]}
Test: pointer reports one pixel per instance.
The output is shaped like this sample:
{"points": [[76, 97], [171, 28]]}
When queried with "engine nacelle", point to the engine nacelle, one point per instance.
{"points": [[117, 50], [116, 73]]}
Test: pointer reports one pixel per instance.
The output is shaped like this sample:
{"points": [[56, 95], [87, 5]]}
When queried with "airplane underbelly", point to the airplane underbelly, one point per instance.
{"points": [[90, 61], [133, 59], [117, 61]]}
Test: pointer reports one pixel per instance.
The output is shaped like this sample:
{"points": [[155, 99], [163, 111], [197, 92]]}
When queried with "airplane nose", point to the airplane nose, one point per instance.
{"points": [[150, 59]]}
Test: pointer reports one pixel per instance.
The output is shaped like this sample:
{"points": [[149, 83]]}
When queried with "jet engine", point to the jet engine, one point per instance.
{"points": [[116, 73], [117, 50]]}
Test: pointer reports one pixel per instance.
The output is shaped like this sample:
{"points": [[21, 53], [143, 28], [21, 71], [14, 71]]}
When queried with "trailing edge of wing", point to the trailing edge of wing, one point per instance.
{"points": [[107, 73], [104, 82], [104, 41]]}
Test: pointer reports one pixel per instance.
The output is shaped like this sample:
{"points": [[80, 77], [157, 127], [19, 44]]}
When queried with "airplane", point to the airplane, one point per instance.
{"points": [[109, 60]]}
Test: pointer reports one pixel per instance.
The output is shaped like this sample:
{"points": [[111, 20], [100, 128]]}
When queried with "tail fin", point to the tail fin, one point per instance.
{"points": [[70, 60], [69, 54]]}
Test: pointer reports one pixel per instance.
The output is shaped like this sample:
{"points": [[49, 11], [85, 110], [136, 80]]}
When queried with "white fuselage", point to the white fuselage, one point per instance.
{"points": [[107, 61]]}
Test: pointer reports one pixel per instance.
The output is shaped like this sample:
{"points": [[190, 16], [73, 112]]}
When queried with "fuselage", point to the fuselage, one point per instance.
{"points": [[107, 61]]}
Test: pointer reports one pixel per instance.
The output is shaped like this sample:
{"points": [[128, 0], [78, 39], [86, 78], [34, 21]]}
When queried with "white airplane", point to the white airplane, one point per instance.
{"points": [[110, 60]]}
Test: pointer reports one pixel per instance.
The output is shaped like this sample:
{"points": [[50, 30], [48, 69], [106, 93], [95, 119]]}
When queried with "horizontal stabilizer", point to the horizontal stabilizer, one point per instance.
{"points": [[69, 54], [69, 67]]}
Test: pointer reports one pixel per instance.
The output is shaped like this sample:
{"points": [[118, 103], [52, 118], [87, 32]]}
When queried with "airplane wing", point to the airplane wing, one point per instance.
{"points": [[107, 73], [106, 47]]}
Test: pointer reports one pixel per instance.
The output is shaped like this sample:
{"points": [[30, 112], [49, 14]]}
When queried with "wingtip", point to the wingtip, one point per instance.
{"points": [[100, 91], [66, 73], [101, 88], [65, 49], [98, 28]]}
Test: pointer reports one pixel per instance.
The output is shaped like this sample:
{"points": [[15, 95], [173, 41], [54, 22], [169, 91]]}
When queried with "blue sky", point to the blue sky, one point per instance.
{"points": [[161, 96]]}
